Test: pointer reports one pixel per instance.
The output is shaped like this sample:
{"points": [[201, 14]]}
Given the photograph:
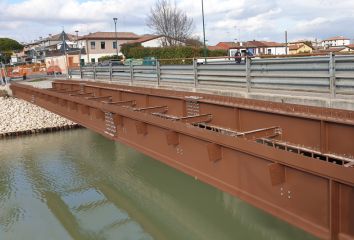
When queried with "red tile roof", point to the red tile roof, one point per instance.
{"points": [[260, 44], [297, 46], [351, 46], [110, 35], [145, 38], [294, 47], [58, 37], [328, 50], [216, 48], [227, 45], [336, 38], [249, 44]]}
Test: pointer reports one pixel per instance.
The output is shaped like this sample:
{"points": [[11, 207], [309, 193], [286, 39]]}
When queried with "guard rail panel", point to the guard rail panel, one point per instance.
{"points": [[331, 74]]}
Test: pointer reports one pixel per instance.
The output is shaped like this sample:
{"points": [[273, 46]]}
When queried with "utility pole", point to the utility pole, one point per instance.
{"points": [[205, 50], [115, 31], [65, 58]]}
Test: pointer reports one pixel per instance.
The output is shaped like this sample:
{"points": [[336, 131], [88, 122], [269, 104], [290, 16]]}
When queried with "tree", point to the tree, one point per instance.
{"points": [[125, 48], [7, 46], [309, 43], [167, 20], [194, 42]]}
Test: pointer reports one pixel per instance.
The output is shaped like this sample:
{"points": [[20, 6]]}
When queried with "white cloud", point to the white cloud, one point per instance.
{"points": [[225, 19]]}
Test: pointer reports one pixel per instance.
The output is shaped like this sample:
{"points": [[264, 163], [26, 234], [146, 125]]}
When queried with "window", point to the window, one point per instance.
{"points": [[103, 45], [269, 51], [93, 45], [114, 45], [93, 60]]}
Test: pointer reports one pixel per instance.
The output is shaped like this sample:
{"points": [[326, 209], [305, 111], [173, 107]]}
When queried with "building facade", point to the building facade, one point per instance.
{"points": [[300, 47], [258, 48], [37, 51], [335, 42], [101, 44], [155, 41]]}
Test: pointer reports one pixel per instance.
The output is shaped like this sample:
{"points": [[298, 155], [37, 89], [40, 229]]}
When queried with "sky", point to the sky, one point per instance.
{"points": [[226, 20]]}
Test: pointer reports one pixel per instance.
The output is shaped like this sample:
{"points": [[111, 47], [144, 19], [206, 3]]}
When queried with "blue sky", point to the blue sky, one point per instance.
{"points": [[226, 20]]}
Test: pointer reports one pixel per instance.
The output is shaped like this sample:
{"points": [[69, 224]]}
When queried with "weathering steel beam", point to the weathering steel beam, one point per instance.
{"points": [[307, 192]]}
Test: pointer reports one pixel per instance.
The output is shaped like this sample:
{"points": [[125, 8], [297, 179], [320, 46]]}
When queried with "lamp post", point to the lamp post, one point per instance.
{"points": [[205, 50], [115, 31], [77, 45], [77, 38]]}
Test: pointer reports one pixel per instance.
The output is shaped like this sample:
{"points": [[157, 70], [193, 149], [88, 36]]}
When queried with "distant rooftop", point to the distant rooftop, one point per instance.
{"points": [[110, 36], [145, 38], [336, 38], [248, 44]]}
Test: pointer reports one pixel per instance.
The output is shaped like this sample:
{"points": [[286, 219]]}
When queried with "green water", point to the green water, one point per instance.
{"points": [[79, 185]]}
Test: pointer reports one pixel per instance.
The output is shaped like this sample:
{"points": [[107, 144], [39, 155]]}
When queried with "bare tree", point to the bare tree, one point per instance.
{"points": [[167, 20]]}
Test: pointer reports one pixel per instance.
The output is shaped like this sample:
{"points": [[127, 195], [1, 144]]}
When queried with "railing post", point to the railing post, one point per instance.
{"points": [[110, 72], [248, 73], [158, 72], [131, 73], [94, 72], [81, 73], [195, 70], [332, 75]]}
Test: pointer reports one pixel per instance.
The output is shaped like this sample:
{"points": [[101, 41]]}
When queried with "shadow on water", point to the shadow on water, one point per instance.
{"points": [[79, 185]]}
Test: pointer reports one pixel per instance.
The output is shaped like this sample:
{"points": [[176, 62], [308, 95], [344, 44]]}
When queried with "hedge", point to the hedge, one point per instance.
{"points": [[109, 57], [173, 53]]}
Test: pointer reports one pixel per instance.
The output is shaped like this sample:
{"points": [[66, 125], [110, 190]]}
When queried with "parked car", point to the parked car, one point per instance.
{"points": [[109, 63], [116, 63], [53, 70]]}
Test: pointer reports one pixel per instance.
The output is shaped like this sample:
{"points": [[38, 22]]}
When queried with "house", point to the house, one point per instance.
{"points": [[326, 51], [348, 49], [63, 54], [18, 57], [259, 48], [339, 41], [149, 40], [299, 47], [255, 47], [36, 51], [224, 46], [62, 61], [101, 44]]}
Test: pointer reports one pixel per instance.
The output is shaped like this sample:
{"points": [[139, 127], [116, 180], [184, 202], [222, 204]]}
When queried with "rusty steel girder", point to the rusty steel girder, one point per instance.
{"points": [[295, 162]]}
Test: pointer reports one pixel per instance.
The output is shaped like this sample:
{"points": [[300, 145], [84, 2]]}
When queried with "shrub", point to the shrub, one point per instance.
{"points": [[109, 57]]}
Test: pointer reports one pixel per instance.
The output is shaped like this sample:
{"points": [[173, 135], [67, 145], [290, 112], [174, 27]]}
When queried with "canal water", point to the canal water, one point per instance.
{"points": [[79, 185]]}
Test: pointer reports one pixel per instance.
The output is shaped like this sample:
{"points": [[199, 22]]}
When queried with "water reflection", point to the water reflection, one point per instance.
{"points": [[79, 185]]}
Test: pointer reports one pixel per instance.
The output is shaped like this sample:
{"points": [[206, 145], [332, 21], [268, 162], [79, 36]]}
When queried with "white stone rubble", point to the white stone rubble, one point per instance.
{"points": [[17, 115]]}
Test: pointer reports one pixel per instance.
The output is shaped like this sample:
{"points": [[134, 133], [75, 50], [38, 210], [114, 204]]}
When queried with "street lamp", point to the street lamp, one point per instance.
{"points": [[77, 38], [205, 50], [77, 46], [115, 31]]}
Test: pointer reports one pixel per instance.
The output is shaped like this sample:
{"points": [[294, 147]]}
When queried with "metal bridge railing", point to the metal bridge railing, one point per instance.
{"points": [[322, 74]]}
